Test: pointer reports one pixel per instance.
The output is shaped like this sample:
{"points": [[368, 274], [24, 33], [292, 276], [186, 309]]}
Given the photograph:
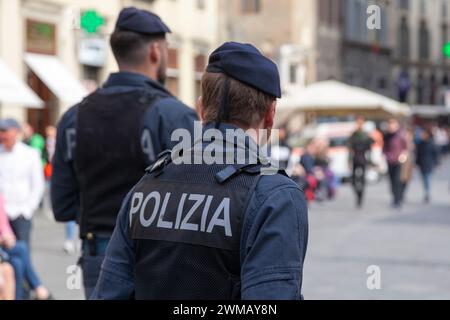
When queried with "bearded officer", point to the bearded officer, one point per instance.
{"points": [[106, 142], [211, 230]]}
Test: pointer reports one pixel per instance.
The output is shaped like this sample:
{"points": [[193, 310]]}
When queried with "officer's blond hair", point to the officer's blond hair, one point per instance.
{"points": [[246, 104]]}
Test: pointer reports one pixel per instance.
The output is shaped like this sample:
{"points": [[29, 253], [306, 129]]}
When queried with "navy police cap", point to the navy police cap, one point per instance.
{"points": [[141, 21], [245, 63]]}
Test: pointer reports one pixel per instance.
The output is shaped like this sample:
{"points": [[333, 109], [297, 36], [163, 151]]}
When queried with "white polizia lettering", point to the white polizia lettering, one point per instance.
{"points": [[194, 212]]}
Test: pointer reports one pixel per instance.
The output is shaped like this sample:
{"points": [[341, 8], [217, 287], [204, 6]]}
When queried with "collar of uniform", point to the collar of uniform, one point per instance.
{"points": [[131, 79], [249, 144]]}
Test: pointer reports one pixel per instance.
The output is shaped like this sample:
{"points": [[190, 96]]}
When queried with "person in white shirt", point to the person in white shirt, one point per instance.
{"points": [[441, 139], [21, 179]]}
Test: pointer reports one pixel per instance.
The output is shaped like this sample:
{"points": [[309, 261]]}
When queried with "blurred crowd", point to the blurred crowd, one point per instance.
{"points": [[400, 147]]}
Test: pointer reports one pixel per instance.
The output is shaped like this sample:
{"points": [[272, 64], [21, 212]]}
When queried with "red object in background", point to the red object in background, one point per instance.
{"points": [[48, 170], [310, 188]]}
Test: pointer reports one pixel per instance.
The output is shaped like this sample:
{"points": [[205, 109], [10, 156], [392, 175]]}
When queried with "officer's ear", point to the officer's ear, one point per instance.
{"points": [[200, 109], [155, 52], [269, 117]]}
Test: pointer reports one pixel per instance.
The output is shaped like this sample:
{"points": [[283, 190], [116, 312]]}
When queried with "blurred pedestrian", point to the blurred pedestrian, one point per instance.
{"points": [[441, 140], [281, 153], [50, 145], [17, 254], [7, 282], [407, 167], [360, 144], [304, 172], [105, 143], [34, 140], [307, 160], [395, 150], [326, 188], [426, 159], [69, 245], [21, 179]]}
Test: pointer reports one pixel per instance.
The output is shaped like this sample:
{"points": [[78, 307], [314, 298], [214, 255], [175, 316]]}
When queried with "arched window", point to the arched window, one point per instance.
{"points": [[403, 42], [424, 41]]}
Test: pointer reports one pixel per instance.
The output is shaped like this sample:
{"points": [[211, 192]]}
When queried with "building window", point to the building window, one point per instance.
{"points": [[328, 12], [293, 73], [336, 6], [172, 72], [348, 10], [403, 4], [423, 8], [424, 41], [354, 17], [381, 34], [445, 81], [421, 89], [433, 94], [331, 13], [382, 83], [323, 10], [251, 6], [201, 4], [404, 39], [41, 37], [445, 38]]}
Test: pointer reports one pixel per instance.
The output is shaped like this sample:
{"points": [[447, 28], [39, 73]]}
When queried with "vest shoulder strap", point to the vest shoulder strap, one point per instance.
{"points": [[232, 171], [163, 159]]}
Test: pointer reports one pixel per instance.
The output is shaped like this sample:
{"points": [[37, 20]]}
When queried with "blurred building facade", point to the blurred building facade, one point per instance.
{"points": [[45, 43], [402, 59], [366, 53], [302, 36], [315, 40], [421, 71]]}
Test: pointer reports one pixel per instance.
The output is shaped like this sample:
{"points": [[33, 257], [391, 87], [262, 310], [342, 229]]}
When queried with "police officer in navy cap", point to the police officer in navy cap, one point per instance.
{"points": [[106, 142], [198, 229]]}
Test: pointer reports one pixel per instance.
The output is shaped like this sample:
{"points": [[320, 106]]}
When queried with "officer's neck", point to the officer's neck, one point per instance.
{"points": [[256, 132], [147, 72]]}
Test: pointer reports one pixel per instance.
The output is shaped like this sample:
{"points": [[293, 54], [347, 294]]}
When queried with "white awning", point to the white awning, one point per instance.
{"points": [[334, 95], [14, 91], [57, 78]]}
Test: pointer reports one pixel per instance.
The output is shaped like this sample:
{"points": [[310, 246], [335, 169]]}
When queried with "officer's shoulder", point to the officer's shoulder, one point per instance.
{"points": [[69, 117], [271, 184], [171, 105]]}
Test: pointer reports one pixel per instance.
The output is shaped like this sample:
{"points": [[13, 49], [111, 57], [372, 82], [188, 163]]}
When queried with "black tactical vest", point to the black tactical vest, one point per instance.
{"points": [[109, 156], [186, 223]]}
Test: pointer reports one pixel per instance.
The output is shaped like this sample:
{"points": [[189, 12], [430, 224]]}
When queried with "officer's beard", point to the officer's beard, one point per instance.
{"points": [[162, 71], [162, 76]]}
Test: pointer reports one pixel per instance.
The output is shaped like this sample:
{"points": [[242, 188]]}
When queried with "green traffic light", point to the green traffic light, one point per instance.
{"points": [[446, 49], [91, 21]]}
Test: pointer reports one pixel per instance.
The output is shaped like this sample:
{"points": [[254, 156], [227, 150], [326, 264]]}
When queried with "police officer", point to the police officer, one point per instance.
{"points": [[214, 230], [106, 142]]}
